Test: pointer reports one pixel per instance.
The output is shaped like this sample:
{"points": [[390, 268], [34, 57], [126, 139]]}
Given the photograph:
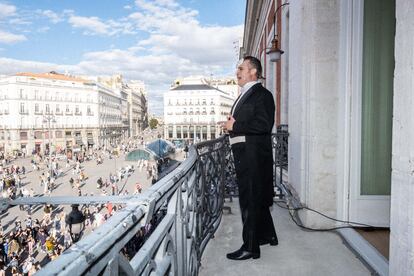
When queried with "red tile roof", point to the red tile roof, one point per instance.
{"points": [[51, 75]]}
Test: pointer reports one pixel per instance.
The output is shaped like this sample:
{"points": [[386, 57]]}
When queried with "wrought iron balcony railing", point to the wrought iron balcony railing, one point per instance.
{"points": [[280, 160], [182, 211]]}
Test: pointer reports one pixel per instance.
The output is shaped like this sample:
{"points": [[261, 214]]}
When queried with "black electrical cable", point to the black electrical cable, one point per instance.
{"points": [[325, 229]]}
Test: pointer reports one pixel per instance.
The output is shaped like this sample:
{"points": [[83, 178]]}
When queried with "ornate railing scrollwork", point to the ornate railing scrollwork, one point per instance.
{"points": [[179, 215], [280, 150]]}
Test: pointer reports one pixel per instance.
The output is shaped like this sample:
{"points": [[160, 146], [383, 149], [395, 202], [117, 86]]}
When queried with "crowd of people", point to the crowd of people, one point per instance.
{"points": [[43, 234]]}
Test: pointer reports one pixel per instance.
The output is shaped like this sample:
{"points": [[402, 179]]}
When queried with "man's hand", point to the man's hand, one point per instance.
{"points": [[229, 123]]}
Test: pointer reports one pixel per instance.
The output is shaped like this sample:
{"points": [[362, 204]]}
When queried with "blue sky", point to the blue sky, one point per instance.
{"points": [[151, 40]]}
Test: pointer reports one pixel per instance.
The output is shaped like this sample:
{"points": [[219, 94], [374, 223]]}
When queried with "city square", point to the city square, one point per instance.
{"points": [[184, 137]]}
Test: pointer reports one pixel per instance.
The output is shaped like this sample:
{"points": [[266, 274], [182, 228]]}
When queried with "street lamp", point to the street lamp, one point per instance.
{"points": [[75, 220], [113, 151], [49, 119], [275, 52]]}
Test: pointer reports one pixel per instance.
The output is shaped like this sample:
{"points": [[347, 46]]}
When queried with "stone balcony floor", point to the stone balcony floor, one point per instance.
{"points": [[299, 252]]}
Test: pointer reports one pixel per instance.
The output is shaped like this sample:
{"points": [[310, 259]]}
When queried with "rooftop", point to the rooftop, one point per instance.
{"points": [[51, 75], [194, 87]]}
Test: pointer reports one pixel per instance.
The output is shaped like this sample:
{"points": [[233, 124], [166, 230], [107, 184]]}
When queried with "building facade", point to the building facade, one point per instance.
{"points": [[192, 109], [344, 86], [138, 107], [116, 84], [68, 113]]}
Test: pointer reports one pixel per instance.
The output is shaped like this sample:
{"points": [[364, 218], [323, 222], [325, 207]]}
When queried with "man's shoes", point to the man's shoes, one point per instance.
{"points": [[242, 254], [271, 241]]}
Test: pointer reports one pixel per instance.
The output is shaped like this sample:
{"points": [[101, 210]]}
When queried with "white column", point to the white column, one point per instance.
{"points": [[402, 179], [313, 105]]}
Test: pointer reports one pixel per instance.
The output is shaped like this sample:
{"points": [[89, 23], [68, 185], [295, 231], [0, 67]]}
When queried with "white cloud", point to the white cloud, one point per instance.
{"points": [[91, 25], [174, 29], [177, 45], [168, 3], [43, 29], [29, 66], [54, 17], [7, 10], [19, 21], [10, 38], [127, 7], [96, 26]]}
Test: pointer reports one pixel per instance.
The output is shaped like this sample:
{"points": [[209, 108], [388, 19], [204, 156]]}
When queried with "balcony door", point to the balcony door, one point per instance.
{"points": [[372, 105]]}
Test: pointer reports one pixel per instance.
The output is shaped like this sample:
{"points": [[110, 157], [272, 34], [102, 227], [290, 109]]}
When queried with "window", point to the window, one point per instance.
{"points": [[77, 109], [37, 108], [67, 108], [57, 108], [47, 109], [58, 134], [38, 135], [377, 97], [22, 111], [204, 101], [23, 135], [89, 111]]}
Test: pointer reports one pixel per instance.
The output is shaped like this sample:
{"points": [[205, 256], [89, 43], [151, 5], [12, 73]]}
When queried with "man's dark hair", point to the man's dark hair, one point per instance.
{"points": [[255, 63]]}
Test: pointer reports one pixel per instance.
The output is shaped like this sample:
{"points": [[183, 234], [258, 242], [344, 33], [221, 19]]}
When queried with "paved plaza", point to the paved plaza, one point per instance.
{"points": [[63, 187]]}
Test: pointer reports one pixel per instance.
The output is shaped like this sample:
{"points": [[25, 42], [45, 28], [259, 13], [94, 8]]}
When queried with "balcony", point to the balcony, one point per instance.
{"points": [[195, 229], [298, 253]]}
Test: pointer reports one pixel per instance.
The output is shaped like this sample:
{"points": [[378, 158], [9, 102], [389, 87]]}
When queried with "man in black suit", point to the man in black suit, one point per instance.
{"points": [[250, 126]]}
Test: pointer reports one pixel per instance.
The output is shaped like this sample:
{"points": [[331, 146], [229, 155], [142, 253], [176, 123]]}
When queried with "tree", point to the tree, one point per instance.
{"points": [[153, 123]]}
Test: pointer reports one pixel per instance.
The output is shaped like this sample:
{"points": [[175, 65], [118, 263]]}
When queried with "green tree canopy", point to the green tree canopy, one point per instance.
{"points": [[153, 123]]}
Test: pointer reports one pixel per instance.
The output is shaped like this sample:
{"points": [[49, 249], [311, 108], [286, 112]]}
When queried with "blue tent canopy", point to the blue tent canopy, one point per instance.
{"points": [[140, 154], [155, 150], [161, 148]]}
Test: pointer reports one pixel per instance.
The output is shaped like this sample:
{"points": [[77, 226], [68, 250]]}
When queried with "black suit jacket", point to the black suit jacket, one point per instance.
{"points": [[254, 119]]}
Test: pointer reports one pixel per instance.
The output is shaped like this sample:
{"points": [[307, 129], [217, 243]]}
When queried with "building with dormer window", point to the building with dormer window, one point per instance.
{"points": [[194, 105]]}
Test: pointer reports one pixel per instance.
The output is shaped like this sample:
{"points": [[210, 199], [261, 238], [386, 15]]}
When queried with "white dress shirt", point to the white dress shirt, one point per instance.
{"points": [[243, 91]]}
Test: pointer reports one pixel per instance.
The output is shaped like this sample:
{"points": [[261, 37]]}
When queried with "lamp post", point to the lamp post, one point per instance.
{"points": [[49, 119], [113, 135], [75, 220], [275, 52]]}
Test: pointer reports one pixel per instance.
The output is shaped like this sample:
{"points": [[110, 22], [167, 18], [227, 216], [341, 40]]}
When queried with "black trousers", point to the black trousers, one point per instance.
{"points": [[256, 218]]}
